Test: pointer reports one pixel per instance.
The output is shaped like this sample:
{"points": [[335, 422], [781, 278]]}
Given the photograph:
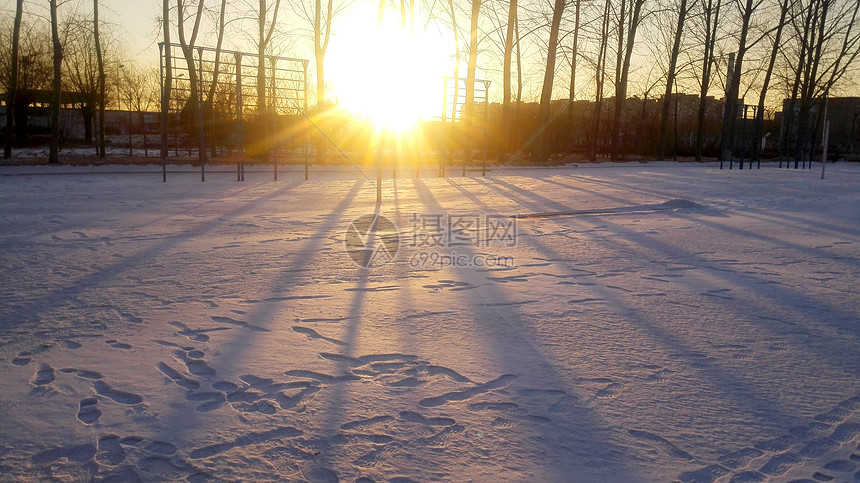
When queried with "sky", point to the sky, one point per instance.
{"points": [[137, 22], [139, 19]]}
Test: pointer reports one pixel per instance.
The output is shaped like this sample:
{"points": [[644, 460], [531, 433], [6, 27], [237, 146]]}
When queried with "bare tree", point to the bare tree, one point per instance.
{"points": [[829, 43], [101, 81], [264, 39], [683, 9], [140, 87], [13, 78], [168, 80], [600, 77], [471, 67], [81, 71], [56, 85], [187, 46], [626, 42], [209, 102], [549, 75], [711, 17], [784, 7], [507, 112], [217, 67], [456, 32], [192, 108], [322, 35], [746, 10], [574, 53]]}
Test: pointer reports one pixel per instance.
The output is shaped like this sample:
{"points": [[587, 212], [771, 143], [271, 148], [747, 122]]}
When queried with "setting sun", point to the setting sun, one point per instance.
{"points": [[388, 75]]}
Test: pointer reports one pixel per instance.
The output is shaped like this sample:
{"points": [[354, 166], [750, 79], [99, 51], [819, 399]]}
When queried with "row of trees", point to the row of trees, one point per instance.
{"points": [[807, 46], [602, 50], [69, 60]]}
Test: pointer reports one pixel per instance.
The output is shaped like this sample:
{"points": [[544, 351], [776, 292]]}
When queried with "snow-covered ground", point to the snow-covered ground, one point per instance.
{"points": [[644, 322]]}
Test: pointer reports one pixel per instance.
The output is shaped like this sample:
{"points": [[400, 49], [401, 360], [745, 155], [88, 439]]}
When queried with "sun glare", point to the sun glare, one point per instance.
{"points": [[389, 76]]}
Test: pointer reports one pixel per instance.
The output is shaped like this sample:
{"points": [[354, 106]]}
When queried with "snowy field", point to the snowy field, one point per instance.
{"points": [[644, 322]]}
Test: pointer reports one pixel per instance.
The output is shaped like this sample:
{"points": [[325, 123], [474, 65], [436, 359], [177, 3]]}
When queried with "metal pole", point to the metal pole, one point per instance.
{"points": [[380, 142], [760, 147], [743, 137], [826, 140], [201, 141], [675, 134], [732, 136], [162, 49], [240, 136], [486, 127], [273, 119], [466, 125], [305, 110]]}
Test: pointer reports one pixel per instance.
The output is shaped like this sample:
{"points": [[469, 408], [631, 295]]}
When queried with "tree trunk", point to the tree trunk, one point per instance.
{"points": [[322, 31], [56, 85], [621, 86], [13, 84], [543, 150], [456, 60], [814, 29], [87, 117], [168, 78], [573, 54], [192, 108], [759, 118], [519, 69], [727, 135], [261, 60], [469, 108], [506, 78], [670, 81], [101, 80], [600, 78], [711, 25], [209, 104]]}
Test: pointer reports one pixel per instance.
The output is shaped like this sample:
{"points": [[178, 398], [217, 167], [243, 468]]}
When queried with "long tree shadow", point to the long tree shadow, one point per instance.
{"points": [[257, 394], [498, 327], [104, 276], [750, 285]]}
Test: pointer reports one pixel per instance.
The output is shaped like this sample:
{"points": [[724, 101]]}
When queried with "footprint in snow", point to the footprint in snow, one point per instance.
{"points": [[116, 395], [500, 382], [88, 411], [664, 444], [176, 377], [612, 390], [117, 345], [194, 365], [22, 359], [110, 452], [68, 344], [43, 376], [161, 447]]}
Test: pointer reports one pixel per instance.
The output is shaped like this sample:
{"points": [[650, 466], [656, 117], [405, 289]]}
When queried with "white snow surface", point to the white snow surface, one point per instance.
{"points": [[661, 322]]}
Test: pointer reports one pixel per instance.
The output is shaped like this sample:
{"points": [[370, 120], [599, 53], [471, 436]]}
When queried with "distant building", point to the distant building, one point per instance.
{"points": [[843, 113]]}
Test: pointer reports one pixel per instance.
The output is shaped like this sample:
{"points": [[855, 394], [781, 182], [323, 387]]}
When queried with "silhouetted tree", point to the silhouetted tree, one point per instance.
{"points": [[711, 23], [12, 88], [101, 79], [683, 9], [628, 25], [56, 84], [549, 75]]}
